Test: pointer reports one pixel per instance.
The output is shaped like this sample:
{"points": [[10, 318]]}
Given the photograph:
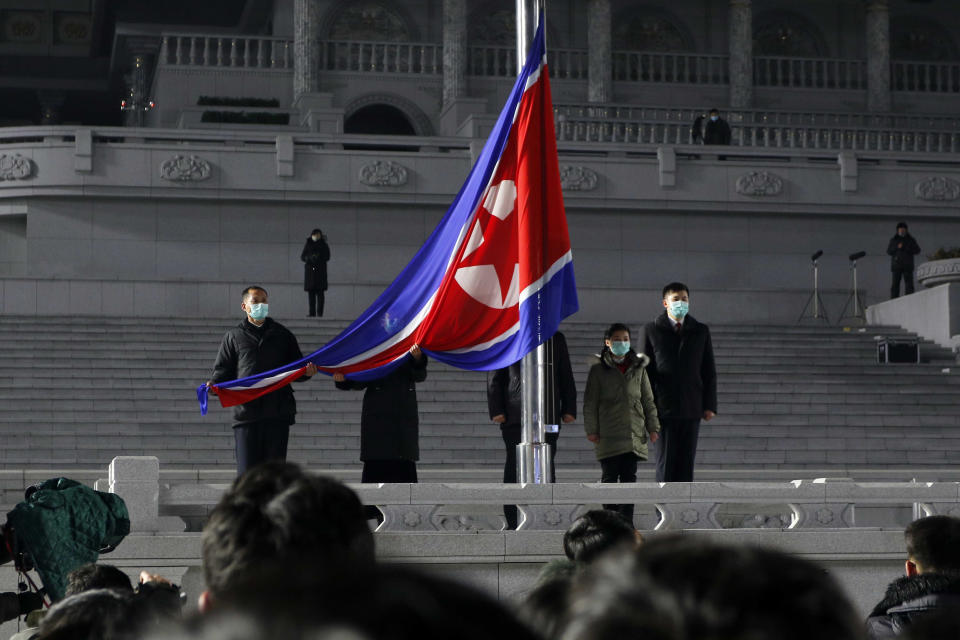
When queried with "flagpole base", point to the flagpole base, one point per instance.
{"points": [[533, 463]]}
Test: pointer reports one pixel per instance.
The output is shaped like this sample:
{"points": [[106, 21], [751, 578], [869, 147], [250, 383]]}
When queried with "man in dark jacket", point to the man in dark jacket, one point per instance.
{"points": [[901, 249], [389, 423], [684, 377], [717, 130], [504, 392], [259, 343], [932, 583], [315, 255]]}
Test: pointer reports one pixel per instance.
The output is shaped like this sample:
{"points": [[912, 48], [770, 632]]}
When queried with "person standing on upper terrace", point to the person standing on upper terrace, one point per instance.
{"points": [[315, 255], [717, 131], [901, 249], [259, 343], [684, 377]]}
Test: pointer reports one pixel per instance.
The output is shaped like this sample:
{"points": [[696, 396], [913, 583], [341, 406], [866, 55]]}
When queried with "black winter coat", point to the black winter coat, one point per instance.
{"points": [[247, 349], [682, 369], [910, 598], [504, 388], [389, 424], [717, 132], [902, 259], [315, 256]]}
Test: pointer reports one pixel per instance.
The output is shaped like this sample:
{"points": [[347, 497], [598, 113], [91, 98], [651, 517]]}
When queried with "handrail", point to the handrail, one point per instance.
{"points": [[204, 50], [381, 57], [573, 134], [655, 66], [499, 61], [820, 137], [615, 111], [809, 73], [271, 52]]}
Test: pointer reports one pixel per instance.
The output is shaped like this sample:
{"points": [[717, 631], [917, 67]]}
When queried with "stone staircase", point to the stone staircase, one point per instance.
{"points": [[78, 391]]}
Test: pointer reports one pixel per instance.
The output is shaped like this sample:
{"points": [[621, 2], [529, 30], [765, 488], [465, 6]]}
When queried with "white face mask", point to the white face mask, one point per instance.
{"points": [[259, 310], [678, 308], [315, 238]]}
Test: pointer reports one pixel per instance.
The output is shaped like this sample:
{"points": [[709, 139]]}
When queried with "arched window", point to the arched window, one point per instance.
{"points": [[494, 23], [645, 31], [783, 34], [369, 20], [379, 119], [914, 38]]}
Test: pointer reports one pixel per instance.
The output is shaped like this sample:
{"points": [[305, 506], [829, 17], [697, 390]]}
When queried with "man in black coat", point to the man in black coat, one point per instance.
{"points": [[259, 343], [932, 583], [717, 130], [389, 423], [504, 391], [684, 377], [315, 255], [901, 249]]}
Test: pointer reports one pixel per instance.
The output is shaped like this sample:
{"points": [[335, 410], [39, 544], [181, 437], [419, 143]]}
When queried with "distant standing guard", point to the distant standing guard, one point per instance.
{"points": [[901, 249], [315, 255], [717, 130], [259, 343], [684, 377]]}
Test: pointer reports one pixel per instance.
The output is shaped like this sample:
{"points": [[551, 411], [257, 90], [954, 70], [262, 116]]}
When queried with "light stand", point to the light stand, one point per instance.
{"points": [[858, 307], [819, 312]]}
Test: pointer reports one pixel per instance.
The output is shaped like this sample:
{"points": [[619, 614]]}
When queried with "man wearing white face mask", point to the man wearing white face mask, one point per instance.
{"points": [[259, 343], [684, 377]]}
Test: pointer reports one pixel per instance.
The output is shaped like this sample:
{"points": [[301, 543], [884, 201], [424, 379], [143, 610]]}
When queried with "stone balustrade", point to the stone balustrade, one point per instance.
{"points": [[775, 136], [769, 117], [926, 77], [261, 52], [381, 57], [677, 68], [202, 50], [810, 73], [431, 507]]}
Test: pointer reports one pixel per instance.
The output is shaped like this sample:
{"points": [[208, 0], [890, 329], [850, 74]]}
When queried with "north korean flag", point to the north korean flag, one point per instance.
{"points": [[493, 281]]}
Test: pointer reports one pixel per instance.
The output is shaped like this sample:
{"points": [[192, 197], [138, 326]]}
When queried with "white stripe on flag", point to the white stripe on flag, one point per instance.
{"points": [[266, 382]]}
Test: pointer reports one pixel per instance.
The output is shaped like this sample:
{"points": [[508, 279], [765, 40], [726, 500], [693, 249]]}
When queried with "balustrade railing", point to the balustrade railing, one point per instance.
{"points": [[579, 129], [499, 61], [930, 77], [259, 52], [199, 50], [381, 57], [799, 504], [609, 111], [689, 68], [809, 73]]}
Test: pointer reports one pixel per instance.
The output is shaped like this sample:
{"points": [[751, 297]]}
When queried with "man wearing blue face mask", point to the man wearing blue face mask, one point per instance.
{"points": [[259, 343], [684, 377], [717, 131]]}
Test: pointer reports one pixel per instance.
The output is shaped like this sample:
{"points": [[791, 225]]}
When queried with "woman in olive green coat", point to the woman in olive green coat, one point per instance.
{"points": [[619, 412]]}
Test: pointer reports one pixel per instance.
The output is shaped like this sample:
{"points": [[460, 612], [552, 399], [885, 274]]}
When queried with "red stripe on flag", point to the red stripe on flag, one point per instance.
{"points": [[233, 397]]}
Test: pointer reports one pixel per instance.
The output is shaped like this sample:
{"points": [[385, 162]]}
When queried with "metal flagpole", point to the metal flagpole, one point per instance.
{"points": [[533, 452]]}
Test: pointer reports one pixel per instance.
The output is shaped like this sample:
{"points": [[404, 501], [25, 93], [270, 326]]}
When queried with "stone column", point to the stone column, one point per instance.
{"points": [[878, 56], [316, 108], [454, 50], [306, 48], [600, 52], [741, 54], [460, 114]]}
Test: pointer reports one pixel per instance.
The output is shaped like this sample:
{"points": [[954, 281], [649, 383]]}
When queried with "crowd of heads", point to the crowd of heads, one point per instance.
{"points": [[288, 554]]}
